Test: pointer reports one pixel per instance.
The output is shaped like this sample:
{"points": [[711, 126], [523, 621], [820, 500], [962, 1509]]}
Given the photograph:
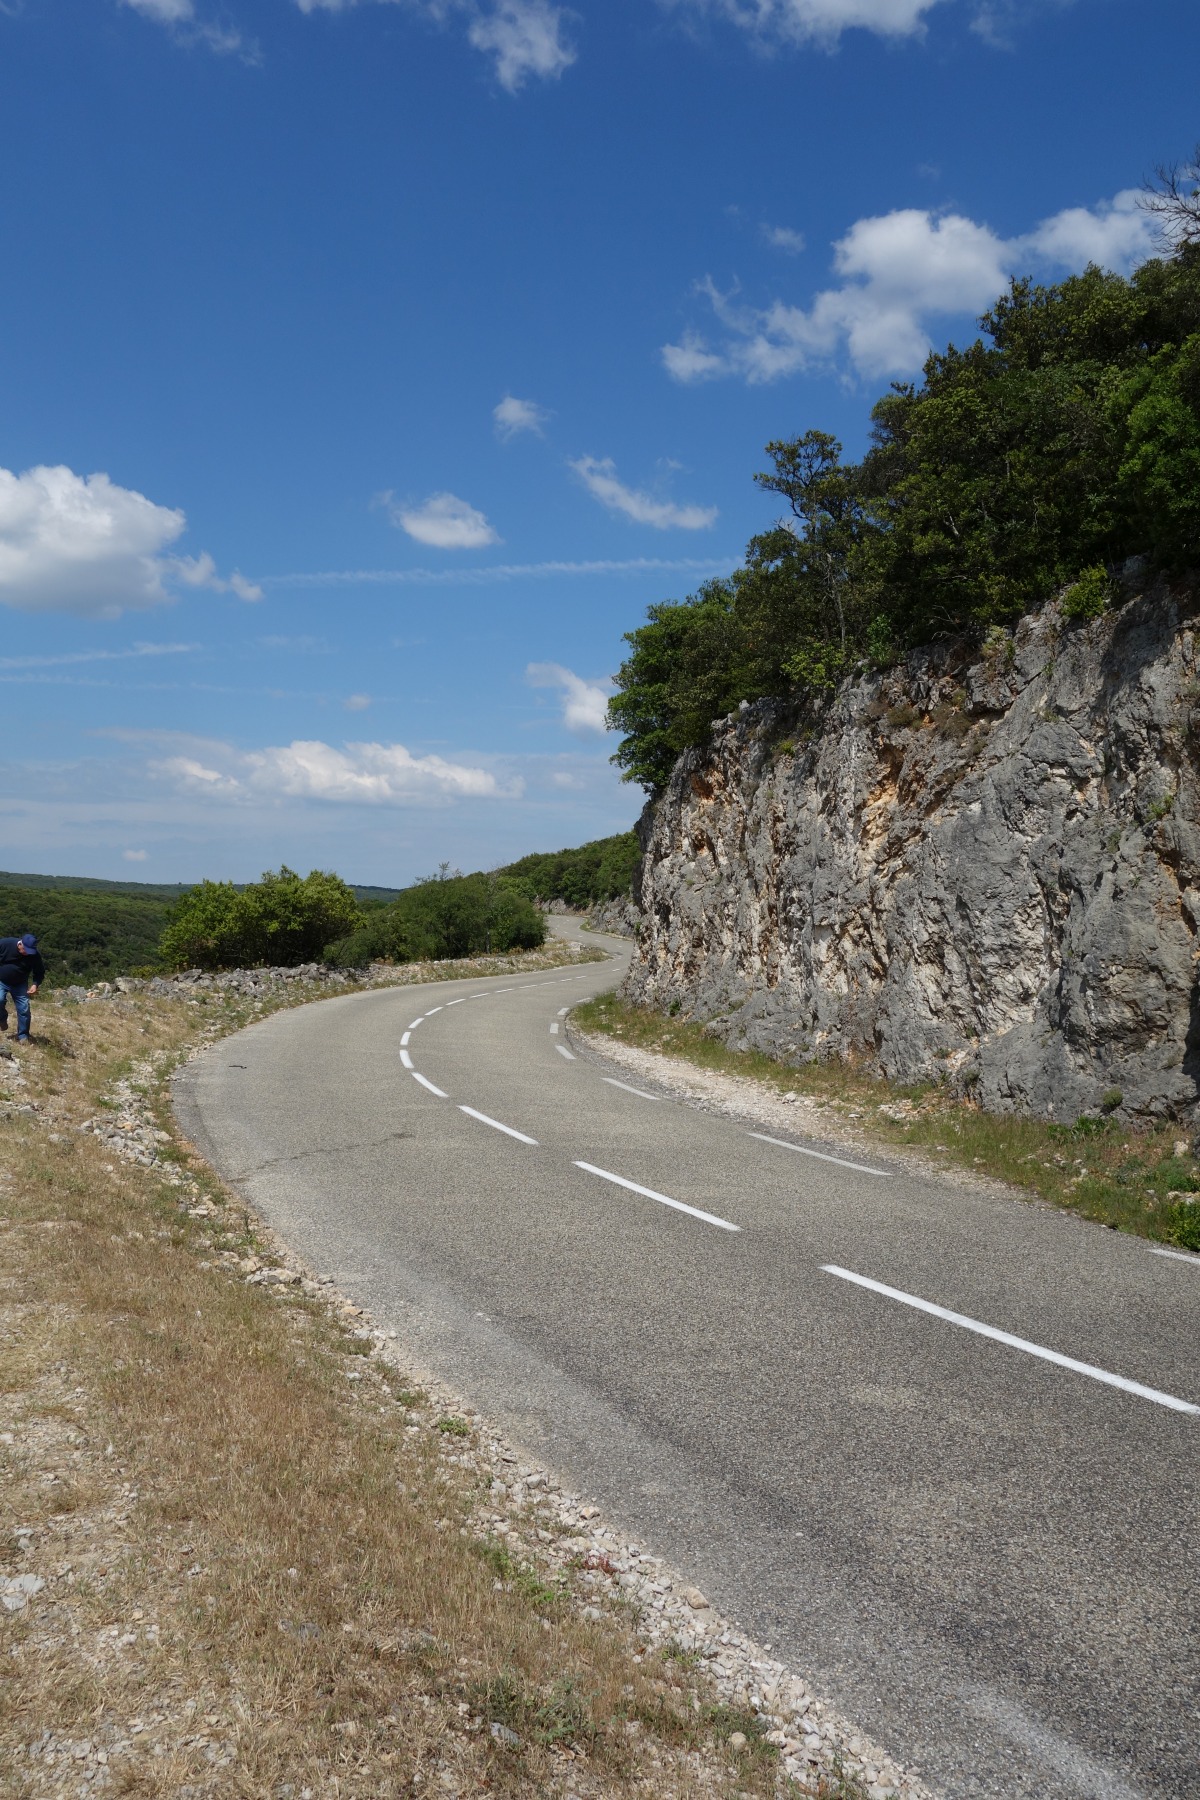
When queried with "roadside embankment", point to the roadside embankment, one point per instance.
{"points": [[980, 865], [1147, 1182]]}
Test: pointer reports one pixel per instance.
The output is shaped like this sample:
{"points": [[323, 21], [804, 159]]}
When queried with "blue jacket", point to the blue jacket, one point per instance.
{"points": [[17, 971]]}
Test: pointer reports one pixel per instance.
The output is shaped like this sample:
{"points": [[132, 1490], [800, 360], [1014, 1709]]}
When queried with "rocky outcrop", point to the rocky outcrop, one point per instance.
{"points": [[983, 865]]}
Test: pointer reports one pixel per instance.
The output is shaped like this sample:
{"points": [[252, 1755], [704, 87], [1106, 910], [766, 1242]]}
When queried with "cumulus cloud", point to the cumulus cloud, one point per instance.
{"points": [[814, 21], [584, 703], [599, 477], [513, 416], [358, 774], [898, 273], [82, 544], [443, 521], [524, 38]]}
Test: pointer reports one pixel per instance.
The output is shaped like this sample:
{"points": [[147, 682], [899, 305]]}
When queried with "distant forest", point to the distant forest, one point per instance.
{"points": [[93, 930]]}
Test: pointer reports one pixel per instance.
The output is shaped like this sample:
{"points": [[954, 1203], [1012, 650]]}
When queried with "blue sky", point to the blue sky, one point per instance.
{"points": [[368, 369]]}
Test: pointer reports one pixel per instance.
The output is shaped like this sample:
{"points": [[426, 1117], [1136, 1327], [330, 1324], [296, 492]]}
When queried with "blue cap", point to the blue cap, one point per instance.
{"points": [[28, 942]]}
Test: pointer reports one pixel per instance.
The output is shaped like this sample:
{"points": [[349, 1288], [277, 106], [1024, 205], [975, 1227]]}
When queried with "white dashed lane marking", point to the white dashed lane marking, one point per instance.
{"points": [[821, 1155], [495, 1124], [1014, 1343], [417, 1076], [640, 1092], [563, 1051], [635, 1187]]}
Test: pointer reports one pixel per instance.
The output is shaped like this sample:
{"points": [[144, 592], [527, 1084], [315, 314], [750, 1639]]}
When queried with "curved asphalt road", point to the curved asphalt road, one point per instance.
{"points": [[986, 1558]]}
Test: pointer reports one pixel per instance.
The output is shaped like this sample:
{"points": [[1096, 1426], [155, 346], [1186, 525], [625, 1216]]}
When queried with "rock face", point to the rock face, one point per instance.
{"points": [[983, 864]]}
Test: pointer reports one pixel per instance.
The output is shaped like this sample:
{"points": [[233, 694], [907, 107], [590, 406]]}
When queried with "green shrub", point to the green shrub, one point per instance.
{"points": [[445, 916], [1089, 597], [282, 920], [1182, 1223], [601, 870]]}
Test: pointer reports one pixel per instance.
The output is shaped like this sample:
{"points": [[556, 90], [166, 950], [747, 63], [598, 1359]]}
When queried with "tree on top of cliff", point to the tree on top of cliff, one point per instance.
{"points": [[1067, 436]]}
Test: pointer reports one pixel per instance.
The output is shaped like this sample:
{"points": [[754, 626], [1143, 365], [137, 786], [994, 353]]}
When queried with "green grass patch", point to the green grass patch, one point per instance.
{"points": [[1137, 1181]]}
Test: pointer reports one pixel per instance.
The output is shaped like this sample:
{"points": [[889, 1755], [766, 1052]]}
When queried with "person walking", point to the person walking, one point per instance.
{"points": [[22, 972]]}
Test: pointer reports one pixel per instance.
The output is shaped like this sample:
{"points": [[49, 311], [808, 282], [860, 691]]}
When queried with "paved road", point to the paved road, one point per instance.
{"points": [[987, 1559]]}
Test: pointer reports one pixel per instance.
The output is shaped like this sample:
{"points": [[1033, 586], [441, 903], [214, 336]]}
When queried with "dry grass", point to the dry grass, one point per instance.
{"points": [[261, 1579], [1131, 1181]]}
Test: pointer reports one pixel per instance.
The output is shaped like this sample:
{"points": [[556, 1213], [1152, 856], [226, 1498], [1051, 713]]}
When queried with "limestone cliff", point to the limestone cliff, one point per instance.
{"points": [[984, 863]]}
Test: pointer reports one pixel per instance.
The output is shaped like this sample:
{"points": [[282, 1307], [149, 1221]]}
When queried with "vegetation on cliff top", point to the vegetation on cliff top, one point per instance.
{"points": [[1063, 441]]}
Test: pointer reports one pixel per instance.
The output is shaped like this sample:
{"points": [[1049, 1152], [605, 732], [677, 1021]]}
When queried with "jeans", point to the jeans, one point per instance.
{"points": [[20, 1000]]}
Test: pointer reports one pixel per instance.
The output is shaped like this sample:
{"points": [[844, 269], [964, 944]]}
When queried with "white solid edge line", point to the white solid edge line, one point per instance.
{"points": [[406, 1059], [405, 1039], [497, 1126], [663, 1199], [640, 1092], [1014, 1343], [417, 1076], [563, 1051], [1175, 1255], [821, 1155]]}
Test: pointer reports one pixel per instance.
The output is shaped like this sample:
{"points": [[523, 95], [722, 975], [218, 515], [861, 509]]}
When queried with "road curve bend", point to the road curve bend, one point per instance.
{"points": [[937, 1448]]}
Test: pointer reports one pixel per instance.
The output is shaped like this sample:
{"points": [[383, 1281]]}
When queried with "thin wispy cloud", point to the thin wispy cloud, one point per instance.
{"points": [[188, 27], [501, 572], [75, 657], [444, 522], [782, 237], [899, 272], [513, 416], [599, 477], [821, 22], [584, 703]]}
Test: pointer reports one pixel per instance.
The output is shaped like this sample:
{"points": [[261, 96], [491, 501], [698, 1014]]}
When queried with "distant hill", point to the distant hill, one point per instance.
{"points": [[152, 890]]}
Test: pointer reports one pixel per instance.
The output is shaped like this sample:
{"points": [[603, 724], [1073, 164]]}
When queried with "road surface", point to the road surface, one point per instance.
{"points": [[937, 1448]]}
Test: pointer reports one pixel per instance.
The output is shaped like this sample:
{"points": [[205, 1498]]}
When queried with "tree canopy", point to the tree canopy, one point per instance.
{"points": [[1064, 439]]}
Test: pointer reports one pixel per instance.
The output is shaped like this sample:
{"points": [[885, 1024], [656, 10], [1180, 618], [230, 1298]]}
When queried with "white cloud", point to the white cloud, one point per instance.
{"points": [[81, 544], [358, 774], [815, 21], [899, 272], [179, 16], [443, 521], [357, 702], [782, 237], [584, 703], [525, 38], [691, 360], [490, 573], [135, 855], [514, 416], [599, 477]]}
